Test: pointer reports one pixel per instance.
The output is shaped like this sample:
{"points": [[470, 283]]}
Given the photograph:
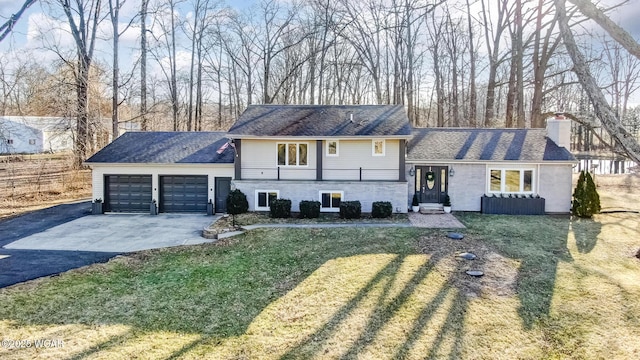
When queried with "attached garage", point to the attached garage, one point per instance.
{"points": [[181, 171], [183, 193], [127, 193]]}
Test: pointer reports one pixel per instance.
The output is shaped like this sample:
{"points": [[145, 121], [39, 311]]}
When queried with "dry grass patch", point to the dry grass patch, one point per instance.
{"points": [[501, 273], [32, 182]]}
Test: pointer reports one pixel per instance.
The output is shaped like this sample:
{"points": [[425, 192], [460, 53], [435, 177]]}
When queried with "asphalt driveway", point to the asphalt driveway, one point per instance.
{"points": [[21, 265], [62, 237]]}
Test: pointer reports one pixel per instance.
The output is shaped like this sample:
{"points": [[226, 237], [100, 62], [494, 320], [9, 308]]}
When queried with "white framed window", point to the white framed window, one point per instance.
{"points": [[9, 141], [511, 181], [264, 199], [330, 200], [377, 147], [292, 154], [32, 141], [333, 148]]}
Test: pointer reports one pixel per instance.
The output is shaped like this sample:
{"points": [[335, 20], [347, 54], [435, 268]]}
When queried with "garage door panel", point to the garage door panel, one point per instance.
{"points": [[128, 193], [185, 193]]}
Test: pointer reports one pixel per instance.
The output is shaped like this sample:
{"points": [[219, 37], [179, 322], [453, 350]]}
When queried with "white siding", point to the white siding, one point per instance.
{"points": [[212, 170], [356, 154], [259, 161], [556, 187], [469, 184]]}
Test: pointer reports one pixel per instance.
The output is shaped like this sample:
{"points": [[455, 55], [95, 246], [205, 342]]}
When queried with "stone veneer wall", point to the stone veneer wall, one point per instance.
{"points": [[364, 191]]}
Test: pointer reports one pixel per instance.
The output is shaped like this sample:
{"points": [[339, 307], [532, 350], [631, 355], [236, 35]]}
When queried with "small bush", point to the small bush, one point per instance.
{"points": [[586, 200], [309, 209], [237, 204], [381, 209], [280, 208], [350, 209]]}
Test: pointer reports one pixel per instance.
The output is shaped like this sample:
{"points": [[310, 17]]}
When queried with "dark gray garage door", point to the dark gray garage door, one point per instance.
{"points": [[127, 193], [186, 193]]}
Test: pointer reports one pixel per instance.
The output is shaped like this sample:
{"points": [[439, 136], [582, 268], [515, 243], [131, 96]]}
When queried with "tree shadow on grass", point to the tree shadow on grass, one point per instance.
{"points": [[539, 243], [213, 290], [586, 233], [385, 309]]}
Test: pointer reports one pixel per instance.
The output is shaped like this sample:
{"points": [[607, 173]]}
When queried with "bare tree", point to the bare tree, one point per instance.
{"points": [[472, 72], [5, 29], [603, 110], [165, 18], [493, 37], [144, 5], [84, 17]]}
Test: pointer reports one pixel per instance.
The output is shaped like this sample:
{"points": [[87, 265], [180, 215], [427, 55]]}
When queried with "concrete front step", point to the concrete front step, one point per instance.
{"points": [[431, 208]]}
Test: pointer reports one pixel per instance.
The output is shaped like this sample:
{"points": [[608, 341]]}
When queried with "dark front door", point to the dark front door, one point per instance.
{"points": [[431, 183], [223, 187]]}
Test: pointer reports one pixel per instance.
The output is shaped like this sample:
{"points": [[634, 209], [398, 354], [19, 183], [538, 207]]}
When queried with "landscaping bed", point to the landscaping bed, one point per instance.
{"points": [[225, 223]]}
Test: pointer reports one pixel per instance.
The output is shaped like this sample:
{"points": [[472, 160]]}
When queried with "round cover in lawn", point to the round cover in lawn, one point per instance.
{"points": [[467, 256], [476, 273], [455, 236]]}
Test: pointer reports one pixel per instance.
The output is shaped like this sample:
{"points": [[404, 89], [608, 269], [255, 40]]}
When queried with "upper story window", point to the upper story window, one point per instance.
{"points": [[9, 141], [332, 147], [292, 154], [377, 147], [511, 181]]}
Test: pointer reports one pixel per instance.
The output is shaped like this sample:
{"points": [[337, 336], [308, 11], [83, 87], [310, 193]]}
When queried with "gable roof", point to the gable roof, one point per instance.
{"points": [[458, 144], [42, 123], [166, 148], [322, 121]]}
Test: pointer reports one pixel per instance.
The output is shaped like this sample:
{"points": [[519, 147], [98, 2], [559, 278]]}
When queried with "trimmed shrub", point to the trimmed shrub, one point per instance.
{"points": [[280, 208], [446, 201], [415, 201], [237, 204], [586, 200], [309, 209], [381, 209], [350, 209]]}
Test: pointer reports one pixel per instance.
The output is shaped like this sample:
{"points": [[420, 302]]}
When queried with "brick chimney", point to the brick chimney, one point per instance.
{"points": [[559, 130]]}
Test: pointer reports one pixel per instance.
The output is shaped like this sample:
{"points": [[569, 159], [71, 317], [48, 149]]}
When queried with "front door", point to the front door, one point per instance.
{"points": [[431, 183], [223, 187]]}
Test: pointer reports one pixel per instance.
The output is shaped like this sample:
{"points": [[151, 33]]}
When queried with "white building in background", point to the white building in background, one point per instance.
{"points": [[34, 134]]}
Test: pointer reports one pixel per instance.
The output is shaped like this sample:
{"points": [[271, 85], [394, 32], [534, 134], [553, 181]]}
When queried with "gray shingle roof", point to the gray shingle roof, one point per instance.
{"points": [[322, 121], [166, 148], [485, 145]]}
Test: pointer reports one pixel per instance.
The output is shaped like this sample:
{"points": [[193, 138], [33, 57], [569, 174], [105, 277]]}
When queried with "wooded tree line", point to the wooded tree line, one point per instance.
{"points": [[197, 64]]}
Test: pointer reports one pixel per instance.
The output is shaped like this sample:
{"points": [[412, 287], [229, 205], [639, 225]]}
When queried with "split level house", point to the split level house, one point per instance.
{"points": [[333, 153]]}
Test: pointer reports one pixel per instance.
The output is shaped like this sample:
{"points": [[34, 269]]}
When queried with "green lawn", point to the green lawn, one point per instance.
{"points": [[554, 288]]}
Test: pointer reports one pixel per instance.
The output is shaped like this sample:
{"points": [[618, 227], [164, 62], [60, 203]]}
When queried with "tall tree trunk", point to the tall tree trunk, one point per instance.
{"points": [[194, 35], [602, 109], [512, 86], [174, 79], [472, 73], [520, 117], [114, 12], [143, 64]]}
